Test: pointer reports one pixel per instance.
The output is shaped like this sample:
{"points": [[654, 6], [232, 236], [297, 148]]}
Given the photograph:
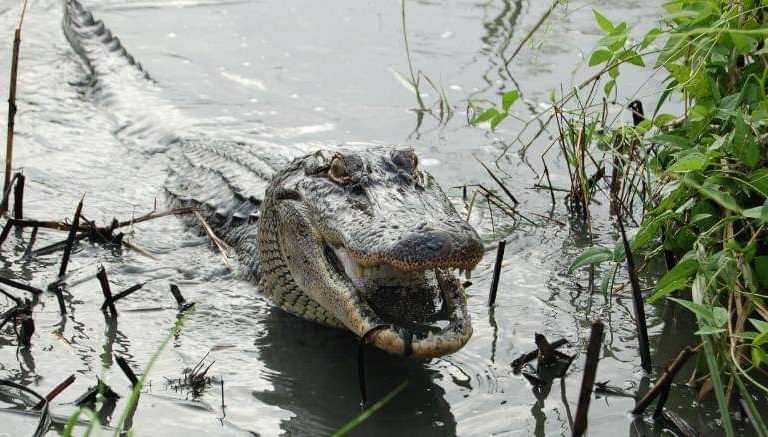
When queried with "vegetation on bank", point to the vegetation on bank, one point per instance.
{"points": [[695, 180]]}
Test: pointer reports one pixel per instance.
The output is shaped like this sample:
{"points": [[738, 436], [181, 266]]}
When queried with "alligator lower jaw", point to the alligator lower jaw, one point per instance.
{"points": [[420, 313]]}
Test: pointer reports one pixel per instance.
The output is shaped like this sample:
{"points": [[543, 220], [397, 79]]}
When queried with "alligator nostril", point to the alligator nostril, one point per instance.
{"points": [[434, 245]]}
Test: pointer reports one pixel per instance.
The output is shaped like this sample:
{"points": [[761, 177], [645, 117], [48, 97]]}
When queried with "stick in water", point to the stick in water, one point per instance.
{"points": [[588, 380], [70, 240], [109, 301], [497, 272], [637, 299]]}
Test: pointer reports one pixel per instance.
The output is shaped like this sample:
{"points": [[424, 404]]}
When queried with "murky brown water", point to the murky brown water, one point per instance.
{"points": [[299, 73]]}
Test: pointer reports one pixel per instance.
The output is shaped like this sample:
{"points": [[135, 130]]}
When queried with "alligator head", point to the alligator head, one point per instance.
{"points": [[373, 240]]}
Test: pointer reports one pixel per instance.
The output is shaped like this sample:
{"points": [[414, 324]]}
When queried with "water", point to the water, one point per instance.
{"points": [[299, 74]]}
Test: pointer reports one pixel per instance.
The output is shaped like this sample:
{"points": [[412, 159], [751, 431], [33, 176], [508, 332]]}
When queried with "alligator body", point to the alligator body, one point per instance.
{"points": [[357, 238]]}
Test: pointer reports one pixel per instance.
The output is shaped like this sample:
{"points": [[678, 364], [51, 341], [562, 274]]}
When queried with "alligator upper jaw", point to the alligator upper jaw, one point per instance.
{"points": [[417, 313]]}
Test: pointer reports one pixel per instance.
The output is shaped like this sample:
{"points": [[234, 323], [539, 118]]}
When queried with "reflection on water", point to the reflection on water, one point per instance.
{"points": [[295, 76], [314, 375]]}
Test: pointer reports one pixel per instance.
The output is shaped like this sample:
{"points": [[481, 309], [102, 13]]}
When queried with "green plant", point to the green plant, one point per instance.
{"points": [[708, 206], [697, 180], [354, 423], [131, 403]]}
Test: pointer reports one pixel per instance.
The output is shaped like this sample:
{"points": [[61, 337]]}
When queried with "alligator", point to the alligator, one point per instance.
{"points": [[359, 238]]}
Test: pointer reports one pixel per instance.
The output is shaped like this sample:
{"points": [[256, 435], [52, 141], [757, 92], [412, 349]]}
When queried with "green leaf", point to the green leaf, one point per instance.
{"points": [[509, 99], [633, 58], [676, 278], [593, 255], [704, 215], [761, 270], [609, 86], [608, 279], [758, 356], [603, 22], [700, 310], [486, 115], [498, 119], [599, 56], [758, 212], [759, 180], [649, 229], [721, 316], [744, 44], [743, 143], [709, 330], [761, 325], [650, 37], [662, 120], [760, 339], [713, 193], [690, 162], [673, 140], [700, 217], [695, 82]]}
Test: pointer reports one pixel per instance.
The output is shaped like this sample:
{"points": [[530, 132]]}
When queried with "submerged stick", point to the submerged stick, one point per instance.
{"points": [[55, 392], [496, 272], [12, 102], [180, 301], [588, 380], [498, 182], [90, 395], [155, 215], [58, 288], [526, 358], [70, 240], [126, 368], [361, 361], [32, 240], [221, 245], [15, 299], [6, 231], [121, 295], [637, 300], [665, 380], [24, 315], [7, 194], [109, 301], [19, 285], [12, 109], [18, 198]]}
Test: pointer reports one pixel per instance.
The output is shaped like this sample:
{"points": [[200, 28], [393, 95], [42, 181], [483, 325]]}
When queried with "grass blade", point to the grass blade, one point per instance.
{"points": [[354, 423]]}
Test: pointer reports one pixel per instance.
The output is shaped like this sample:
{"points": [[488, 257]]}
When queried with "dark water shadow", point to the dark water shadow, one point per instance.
{"points": [[316, 379]]}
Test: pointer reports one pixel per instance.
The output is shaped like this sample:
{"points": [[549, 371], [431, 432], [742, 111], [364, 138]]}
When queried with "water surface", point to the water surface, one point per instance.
{"points": [[299, 74]]}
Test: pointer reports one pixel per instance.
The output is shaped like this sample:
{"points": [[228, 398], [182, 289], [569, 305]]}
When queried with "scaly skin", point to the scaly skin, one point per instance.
{"points": [[356, 238]]}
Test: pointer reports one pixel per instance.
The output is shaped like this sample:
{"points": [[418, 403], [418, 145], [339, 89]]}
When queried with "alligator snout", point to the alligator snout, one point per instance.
{"points": [[424, 246], [433, 246]]}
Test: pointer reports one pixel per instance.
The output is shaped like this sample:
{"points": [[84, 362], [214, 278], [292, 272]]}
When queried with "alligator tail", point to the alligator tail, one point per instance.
{"points": [[91, 39], [119, 82]]}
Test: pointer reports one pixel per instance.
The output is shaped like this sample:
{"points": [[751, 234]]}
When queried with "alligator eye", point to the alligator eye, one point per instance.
{"points": [[339, 171], [406, 159]]}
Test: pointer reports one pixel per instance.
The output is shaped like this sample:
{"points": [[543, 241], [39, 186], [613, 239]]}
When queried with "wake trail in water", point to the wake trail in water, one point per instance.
{"points": [[120, 83]]}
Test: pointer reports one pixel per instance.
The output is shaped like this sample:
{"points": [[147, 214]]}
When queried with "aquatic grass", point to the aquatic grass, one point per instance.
{"points": [[357, 421], [132, 402], [443, 107]]}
